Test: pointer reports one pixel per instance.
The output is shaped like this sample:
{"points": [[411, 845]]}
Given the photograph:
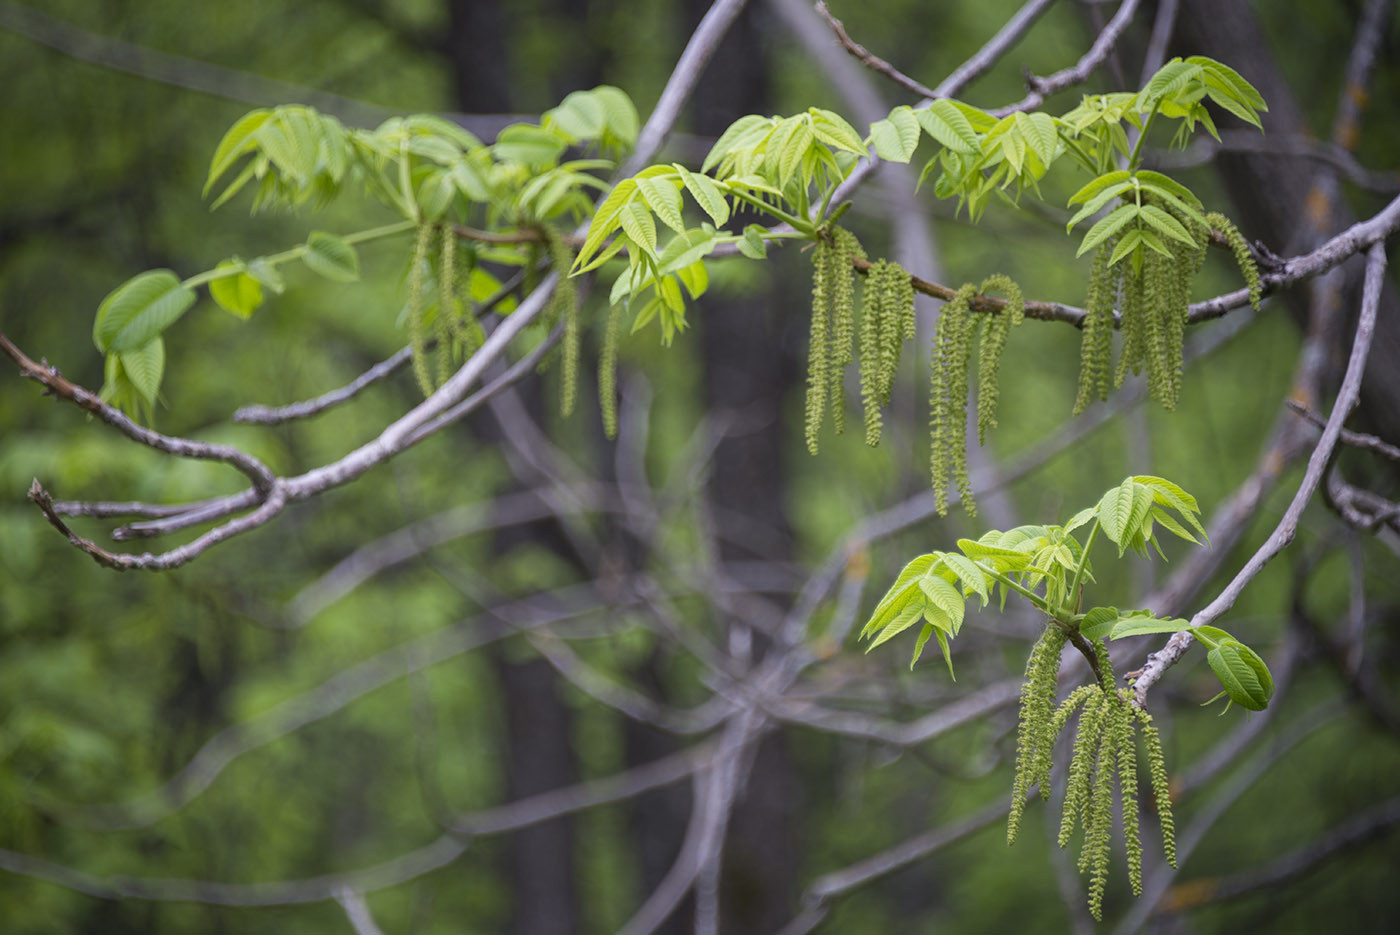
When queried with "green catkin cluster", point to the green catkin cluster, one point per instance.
{"points": [[818, 363], [564, 303], [446, 320], [416, 311], [607, 370], [843, 321], [1104, 756], [886, 322], [1152, 292], [1243, 258], [1127, 786], [1161, 788], [996, 328], [948, 401], [1035, 736], [952, 364], [1096, 350], [832, 331]]}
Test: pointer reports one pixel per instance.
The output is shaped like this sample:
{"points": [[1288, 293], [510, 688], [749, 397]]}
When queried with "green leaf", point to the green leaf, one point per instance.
{"points": [[1171, 78], [969, 573], [1098, 201], [332, 257], [605, 220], [947, 124], [924, 634], [663, 199], [706, 194], [695, 278], [620, 114], [1127, 245], [900, 622], [240, 294], [1221, 95], [947, 656], [439, 126], [1165, 223], [896, 137], [469, 181], [237, 141], [266, 275], [1169, 494], [831, 128], [580, 115], [945, 597], [1003, 559], [686, 248], [1143, 623], [1244, 91], [139, 309], [744, 130], [1116, 513], [144, 367], [638, 225], [1098, 622], [753, 245], [899, 593], [1244, 676], [1159, 515], [532, 146], [251, 170], [1038, 130], [1107, 227]]}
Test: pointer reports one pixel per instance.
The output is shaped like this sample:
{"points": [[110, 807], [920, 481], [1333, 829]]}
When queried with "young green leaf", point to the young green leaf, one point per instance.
{"points": [[706, 194], [1097, 201], [144, 367], [1107, 226], [239, 294], [237, 141], [331, 257], [832, 129], [140, 309], [945, 597], [662, 197], [1143, 623], [1167, 224], [902, 620], [947, 124], [1098, 622], [904, 589], [753, 245], [896, 137], [638, 225], [1244, 676], [973, 578]]}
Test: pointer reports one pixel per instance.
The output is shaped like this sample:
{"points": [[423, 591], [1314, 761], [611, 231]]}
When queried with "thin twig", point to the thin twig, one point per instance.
{"points": [[870, 59], [47, 376], [1041, 88], [994, 49], [1348, 437]]}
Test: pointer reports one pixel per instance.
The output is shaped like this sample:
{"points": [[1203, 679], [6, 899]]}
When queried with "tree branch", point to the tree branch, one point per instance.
{"points": [[871, 60], [1287, 527]]}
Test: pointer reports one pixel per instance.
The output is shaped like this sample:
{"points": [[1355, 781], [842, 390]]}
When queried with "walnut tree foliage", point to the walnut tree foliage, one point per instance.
{"points": [[478, 223], [1050, 567]]}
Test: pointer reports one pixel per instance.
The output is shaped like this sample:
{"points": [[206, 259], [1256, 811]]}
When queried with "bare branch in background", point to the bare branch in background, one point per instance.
{"points": [[871, 60], [1203, 151]]}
